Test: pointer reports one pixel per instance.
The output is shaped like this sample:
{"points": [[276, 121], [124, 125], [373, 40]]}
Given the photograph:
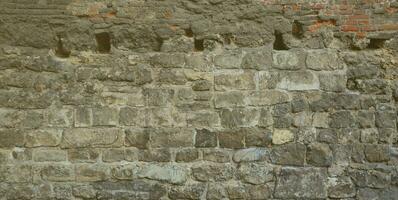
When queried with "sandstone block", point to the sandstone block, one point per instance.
{"points": [[95, 137], [169, 173], [281, 136], [298, 81], [323, 60]]}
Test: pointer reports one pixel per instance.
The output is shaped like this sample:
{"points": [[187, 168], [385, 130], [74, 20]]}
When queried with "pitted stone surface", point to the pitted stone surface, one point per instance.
{"points": [[198, 99]]}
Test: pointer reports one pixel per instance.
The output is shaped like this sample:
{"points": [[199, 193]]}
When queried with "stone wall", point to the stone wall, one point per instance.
{"points": [[198, 99]]}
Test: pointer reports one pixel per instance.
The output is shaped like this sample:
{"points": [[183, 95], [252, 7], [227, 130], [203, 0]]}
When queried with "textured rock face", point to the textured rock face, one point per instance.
{"points": [[198, 99]]}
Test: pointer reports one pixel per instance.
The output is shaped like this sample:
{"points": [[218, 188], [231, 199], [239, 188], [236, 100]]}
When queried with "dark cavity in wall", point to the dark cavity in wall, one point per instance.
{"points": [[297, 29], [103, 42], [199, 46], [61, 51], [376, 43], [279, 43], [189, 32]]}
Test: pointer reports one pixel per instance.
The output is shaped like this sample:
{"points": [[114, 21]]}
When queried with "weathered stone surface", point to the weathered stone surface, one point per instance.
{"points": [[90, 173], [231, 118], [11, 138], [287, 60], [187, 155], [268, 97], [323, 60], [171, 137], [250, 155], [84, 137], [43, 155], [341, 187], [256, 173], [280, 136], [229, 60], [200, 99], [237, 81], [332, 82], [213, 172], [205, 138], [43, 138], [57, 173], [319, 155], [298, 81], [288, 154], [301, 183], [15, 173], [170, 173], [377, 153]]}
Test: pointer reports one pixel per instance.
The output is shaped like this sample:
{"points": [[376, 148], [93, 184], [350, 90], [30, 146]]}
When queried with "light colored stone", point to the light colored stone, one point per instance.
{"points": [[169, 173], [92, 137], [282, 136], [285, 60], [250, 155], [268, 97], [43, 138], [323, 59], [298, 81]]}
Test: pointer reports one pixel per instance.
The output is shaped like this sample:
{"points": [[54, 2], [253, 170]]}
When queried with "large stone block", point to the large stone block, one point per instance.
{"points": [[213, 172], [94, 137], [254, 173], [237, 80], [288, 60], [239, 117], [171, 137], [43, 138], [267, 97], [170, 173], [298, 81], [288, 154], [324, 59], [301, 183], [11, 138], [229, 60]]}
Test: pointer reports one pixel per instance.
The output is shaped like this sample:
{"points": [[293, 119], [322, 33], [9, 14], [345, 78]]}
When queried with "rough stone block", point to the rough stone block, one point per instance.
{"points": [[239, 117], [250, 155], [52, 155], [236, 80], [205, 138], [332, 82], [95, 137], [288, 154], [287, 60], [256, 174], [281, 136], [213, 172], [298, 81], [171, 137], [228, 60], [324, 59], [11, 138], [170, 173], [43, 138], [301, 183], [92, 172], [105, 116]]}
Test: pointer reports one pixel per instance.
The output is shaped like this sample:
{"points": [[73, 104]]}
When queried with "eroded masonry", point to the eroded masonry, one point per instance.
{"points": [[198, 99]]}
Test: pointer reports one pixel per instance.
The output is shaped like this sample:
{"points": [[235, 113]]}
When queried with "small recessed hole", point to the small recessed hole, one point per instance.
{"points": [[297, 29], [188, 32], [103, 42], [61, 51], [279, 43], [376, 43], [199, 46]]}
